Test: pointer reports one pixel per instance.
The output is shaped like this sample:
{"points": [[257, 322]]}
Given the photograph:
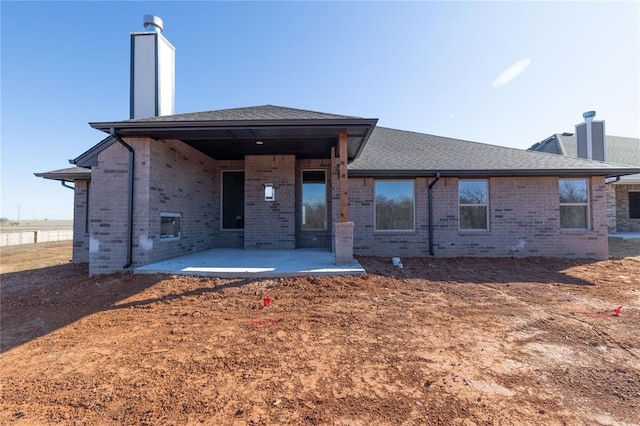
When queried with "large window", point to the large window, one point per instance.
{"points": [[574, 204], [394, 205], [634, 205], [170, 225], [314, 199], [473, 196], [232, 200]]}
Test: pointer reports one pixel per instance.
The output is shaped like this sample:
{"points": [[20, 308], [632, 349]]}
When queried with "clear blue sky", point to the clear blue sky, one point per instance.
{"points": [[504, 73]]}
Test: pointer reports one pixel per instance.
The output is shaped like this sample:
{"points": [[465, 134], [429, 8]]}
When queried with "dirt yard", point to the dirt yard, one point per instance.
{"points": [[442, 341]]}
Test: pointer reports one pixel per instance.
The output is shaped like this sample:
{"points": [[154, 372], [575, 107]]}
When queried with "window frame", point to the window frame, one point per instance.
{"points": [[629, 203], [86, 211], [375, 207], [173, 215], [586, 204], [487, 228], [222, 228], [326, 204]]}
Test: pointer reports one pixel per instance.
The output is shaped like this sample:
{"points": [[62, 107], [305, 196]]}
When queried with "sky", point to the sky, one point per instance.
{"points": [[504, 73]]}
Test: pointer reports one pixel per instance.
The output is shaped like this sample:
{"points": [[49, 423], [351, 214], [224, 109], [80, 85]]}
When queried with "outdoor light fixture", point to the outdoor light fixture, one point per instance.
{"points": [[269, 192], [259, 143]]}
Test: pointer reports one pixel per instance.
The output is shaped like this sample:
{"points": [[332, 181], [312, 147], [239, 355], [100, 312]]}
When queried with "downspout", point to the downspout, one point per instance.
{"points": [[66, 185], [430, 193], [112, 132]]}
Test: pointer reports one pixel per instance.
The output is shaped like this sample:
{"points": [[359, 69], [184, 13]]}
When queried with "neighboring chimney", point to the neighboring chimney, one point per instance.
{"points": [[591, 138], [152, 71]]}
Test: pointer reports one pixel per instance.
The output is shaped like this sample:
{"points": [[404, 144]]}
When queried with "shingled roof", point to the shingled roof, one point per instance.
{"points": [[386, 152], [262, 112], [397, 153], [620, 150]]}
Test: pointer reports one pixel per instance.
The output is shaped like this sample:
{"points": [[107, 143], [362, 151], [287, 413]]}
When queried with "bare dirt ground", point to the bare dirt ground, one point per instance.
{"points": [[442, 341]]}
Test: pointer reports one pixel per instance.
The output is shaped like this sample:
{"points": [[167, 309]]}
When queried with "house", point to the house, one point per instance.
{"points": [[623, 192], [267, 177]]}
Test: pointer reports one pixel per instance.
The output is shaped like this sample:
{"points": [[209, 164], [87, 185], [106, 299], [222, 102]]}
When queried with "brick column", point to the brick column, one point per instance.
{"points": [[270, 224]]}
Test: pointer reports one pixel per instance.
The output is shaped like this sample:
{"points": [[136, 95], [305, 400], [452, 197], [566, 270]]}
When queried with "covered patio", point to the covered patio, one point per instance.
{"points": [[239, 263]]}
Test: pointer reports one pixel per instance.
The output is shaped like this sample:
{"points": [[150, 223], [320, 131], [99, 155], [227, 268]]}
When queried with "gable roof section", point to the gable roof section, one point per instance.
{"points": [[398, 153], [263, 112], [233, 133], [89, 158], [68, 174]]}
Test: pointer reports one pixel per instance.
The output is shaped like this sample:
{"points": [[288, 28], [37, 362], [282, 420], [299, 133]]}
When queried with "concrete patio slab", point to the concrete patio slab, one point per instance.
{"points": [[625, 235], [238, 263]]}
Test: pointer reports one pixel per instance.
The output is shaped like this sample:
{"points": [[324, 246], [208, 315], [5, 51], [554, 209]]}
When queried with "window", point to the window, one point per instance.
{"points": [[394, 205], [314, 200], [634, 205], [170, 226], [473, 198], [574, 204], [232, 200]]}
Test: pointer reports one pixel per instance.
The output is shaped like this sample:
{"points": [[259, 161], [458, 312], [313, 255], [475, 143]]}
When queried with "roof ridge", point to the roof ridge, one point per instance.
{"points": [[307, 110], [247, 108]]}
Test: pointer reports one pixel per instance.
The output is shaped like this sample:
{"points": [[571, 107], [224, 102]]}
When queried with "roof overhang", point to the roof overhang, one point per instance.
{"points": [[66, 175], [485, 173], [233, 139]]}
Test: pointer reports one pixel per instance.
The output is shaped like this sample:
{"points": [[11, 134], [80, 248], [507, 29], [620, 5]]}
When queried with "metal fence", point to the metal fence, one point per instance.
{"points": [[31, 237]]}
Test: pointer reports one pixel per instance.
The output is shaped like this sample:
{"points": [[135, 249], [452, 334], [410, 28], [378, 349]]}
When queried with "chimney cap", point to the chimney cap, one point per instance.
{"points": [[153, 23], [589, 114]]}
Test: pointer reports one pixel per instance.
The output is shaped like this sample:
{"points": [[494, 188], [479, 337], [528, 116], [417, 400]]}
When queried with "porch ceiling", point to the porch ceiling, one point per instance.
{"points": [[233, 140]]}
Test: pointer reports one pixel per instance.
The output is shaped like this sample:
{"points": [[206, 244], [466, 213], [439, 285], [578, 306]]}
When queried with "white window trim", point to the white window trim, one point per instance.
{"points": [[472, 230], [375, 221], [326, 204], [587, 204], [171, 214], [222, 228]]}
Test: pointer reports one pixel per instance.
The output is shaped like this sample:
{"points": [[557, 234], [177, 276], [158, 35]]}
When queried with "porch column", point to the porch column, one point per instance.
{"points": [[344, 228]]}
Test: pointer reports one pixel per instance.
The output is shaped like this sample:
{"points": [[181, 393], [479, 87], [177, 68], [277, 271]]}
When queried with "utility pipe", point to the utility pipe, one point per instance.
{"points": [[430, 193], [112, 132]]}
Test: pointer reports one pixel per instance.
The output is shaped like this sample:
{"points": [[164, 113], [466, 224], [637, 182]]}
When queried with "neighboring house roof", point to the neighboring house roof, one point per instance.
{"points": [[620, 150], [391, 152], [68, 174]]}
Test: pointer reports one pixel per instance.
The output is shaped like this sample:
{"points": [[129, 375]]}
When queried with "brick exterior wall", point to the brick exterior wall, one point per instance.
{"points": [[270, 224], [172, 177], [623, 222], [80, 222], [108, 211], [313, 238], [524, 221], [169, 177], [182, 180]]}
